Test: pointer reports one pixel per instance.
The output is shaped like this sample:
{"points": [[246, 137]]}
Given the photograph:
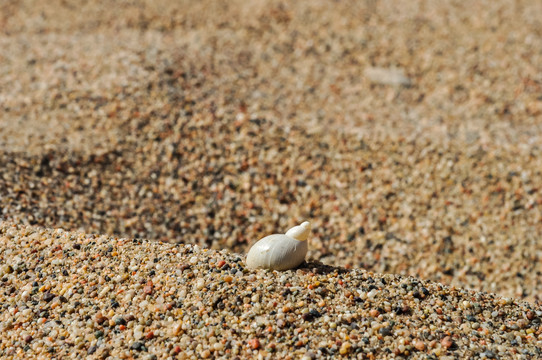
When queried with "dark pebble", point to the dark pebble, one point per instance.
{"points": [[425, 291], [385, 331], [489, 354], [138, 346], [315, 313], [48, 296]]}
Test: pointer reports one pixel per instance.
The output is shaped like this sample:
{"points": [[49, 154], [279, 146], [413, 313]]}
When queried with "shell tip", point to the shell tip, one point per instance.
{"points": [[300, 232]]}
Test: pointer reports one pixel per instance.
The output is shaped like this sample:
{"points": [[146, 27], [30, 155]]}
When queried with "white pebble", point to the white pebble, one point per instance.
{"points": [[200, 284]]}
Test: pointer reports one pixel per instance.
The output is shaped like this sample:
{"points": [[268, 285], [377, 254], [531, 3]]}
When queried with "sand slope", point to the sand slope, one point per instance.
{"points": [[67, 294]]}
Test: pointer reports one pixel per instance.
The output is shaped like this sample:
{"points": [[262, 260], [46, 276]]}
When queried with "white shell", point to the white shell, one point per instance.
{"points": [[280, 251]]}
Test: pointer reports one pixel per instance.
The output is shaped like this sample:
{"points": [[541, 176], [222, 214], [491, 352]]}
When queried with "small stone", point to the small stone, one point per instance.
{"points": [[387, 76], [177, 328], [200, 284], [254, 344], [489, 354], [138, 346], [385, 331], [99, 318], [522, 323], [7, 269], [311, 315], [446, 342], [47, 297], [419, 345], [149, 287], [345, 349]]}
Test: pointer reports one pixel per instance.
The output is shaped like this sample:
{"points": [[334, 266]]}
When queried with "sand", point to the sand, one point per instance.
{"points": [[406, 132]]}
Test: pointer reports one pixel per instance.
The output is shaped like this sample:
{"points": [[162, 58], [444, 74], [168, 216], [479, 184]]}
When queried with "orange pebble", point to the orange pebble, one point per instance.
{"points": [[254, 344]]}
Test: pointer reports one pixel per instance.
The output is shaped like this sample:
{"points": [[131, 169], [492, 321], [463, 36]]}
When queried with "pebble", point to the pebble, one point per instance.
{"points": [[446, 342], [205, 354], [47, 297], [138, 346], [148, 288], [254, 344], [419, 345], [387, 76], [345, 349]]}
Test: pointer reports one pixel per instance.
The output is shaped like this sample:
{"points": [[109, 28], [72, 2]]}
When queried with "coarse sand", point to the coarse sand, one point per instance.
{"points": [[180, 132], [67, 294]]}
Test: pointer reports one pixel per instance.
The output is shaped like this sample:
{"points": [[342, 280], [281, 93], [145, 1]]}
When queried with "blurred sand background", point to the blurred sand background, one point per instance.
{"points": [[216, 123]]}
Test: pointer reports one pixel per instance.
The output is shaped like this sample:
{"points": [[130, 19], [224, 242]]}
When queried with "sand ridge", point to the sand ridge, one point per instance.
{"points": [[70, 295]]}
